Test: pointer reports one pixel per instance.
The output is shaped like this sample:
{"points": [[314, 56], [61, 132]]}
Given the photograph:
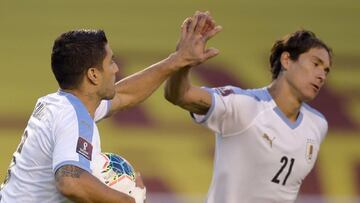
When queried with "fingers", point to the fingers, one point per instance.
{"points": [[185, 26], [184, 29], [202, 19], [200, 23], [211, 52], [204, 24], [195, 32], [209, 24], [138, 180], [208, 35], [194, 22]]}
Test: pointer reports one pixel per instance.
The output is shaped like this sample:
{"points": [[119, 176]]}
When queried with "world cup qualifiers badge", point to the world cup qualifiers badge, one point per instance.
{"points": [[84, 148]]}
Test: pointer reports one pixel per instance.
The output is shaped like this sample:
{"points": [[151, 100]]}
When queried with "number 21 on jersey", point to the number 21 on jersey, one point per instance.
{"points": [[284, 161]]}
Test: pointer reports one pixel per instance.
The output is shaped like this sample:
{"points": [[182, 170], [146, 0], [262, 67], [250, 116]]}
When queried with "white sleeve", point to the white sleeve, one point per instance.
{"points": [[215, 113], [73, 132], [102, 110], [232, 110], [324, 130]]}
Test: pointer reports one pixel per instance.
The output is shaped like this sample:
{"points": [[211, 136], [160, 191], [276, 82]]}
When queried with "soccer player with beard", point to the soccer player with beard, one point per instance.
{"points": [[53, 162]]}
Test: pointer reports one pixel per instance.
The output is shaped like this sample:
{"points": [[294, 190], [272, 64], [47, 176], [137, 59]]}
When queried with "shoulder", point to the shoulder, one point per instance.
{"points": [[251, 101], [316, 118], [57, 106], [259, 94], [248, 102], [314, 114], [57, 101], [235, 109]]}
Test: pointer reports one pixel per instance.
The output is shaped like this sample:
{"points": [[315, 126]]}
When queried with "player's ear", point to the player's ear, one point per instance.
{"points": [[285, 60], [93, 75]]}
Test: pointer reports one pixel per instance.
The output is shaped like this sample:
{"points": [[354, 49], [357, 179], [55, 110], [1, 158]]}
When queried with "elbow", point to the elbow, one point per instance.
{"points": [[64, 188], [68, 188], [172, 98], [169, 97], [179, 95]]}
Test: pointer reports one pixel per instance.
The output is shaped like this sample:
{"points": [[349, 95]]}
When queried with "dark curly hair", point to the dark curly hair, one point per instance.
{"points": [[74, 52]]}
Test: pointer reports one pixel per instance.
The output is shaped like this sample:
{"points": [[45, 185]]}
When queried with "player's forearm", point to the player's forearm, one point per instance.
{"points": [[80, 186], [180, 91], [137, 87], [177, 86]]}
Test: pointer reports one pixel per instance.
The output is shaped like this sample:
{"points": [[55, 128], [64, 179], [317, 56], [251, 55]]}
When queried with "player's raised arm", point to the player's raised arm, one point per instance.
{"points": [[178, 88], [180, 91], [80, 186], [191, 50]]}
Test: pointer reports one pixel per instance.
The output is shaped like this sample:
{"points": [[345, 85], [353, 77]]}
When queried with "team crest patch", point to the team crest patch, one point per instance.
{"points": [[225, 91], [84, 148], [310, 150]]}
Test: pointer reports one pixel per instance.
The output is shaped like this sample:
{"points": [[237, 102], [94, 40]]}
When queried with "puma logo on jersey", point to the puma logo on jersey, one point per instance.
{"points": [[267, 138]]}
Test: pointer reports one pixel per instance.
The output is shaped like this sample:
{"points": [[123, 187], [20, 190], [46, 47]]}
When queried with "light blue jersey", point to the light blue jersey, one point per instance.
{"points": [[60, 132]]}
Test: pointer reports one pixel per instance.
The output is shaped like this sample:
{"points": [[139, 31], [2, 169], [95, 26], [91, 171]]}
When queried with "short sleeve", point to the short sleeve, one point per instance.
{"points": [[73, 140], [322, 122], [325, 131], [102, 110], [212, 119], [232, 110], [318, 121]]}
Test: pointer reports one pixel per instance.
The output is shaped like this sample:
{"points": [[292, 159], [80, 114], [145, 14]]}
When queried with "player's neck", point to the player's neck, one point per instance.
{"points": [[90, 100], [285, 99]]}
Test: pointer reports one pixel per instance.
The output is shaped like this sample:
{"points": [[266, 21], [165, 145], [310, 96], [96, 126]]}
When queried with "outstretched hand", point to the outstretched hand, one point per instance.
{"points": [[195, 32]]}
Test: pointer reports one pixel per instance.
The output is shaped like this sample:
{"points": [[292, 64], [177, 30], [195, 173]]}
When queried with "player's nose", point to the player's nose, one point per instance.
{"points": [[116, 69], [320, 75]]}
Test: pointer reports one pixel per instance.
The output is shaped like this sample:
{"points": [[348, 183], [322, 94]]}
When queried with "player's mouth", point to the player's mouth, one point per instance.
{"points": [[315, 87]]}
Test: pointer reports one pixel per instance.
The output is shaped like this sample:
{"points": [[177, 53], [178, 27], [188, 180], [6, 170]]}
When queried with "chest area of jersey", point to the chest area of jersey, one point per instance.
{"points": [[274, 135], [282, 148]]}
